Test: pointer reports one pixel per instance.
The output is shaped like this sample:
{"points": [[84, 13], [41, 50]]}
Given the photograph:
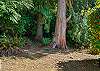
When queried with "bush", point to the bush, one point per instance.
{"points": [[8, 42], [94, 29], [46, 41], [78, 29], [94, 51]]}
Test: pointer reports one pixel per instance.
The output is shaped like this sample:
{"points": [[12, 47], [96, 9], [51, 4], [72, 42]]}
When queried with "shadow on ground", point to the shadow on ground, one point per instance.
{"points": [[76, 65], [32, 53]]}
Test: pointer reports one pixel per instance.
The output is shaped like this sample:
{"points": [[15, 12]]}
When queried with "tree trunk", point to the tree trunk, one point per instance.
{"points": [[39, 27], [60, 29]]}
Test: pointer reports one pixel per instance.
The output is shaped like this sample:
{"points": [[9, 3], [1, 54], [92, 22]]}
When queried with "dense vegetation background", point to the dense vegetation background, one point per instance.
{"points": [[31, 20]]}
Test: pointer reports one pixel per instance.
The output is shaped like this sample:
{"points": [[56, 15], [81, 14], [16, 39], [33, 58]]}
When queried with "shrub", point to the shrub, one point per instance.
{"points": [[46, 41], [78, 29], [94, 51], [8, 42]]}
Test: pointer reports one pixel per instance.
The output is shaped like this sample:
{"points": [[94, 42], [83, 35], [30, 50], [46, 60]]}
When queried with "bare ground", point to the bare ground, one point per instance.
{"points": [[48, 59]]}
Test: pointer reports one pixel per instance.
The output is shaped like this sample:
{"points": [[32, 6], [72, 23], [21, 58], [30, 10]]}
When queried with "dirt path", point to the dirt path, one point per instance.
{"points": [[47, 63]]}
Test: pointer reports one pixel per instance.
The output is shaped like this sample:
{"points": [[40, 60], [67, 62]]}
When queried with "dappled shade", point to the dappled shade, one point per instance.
{"points": [[77, 65]]}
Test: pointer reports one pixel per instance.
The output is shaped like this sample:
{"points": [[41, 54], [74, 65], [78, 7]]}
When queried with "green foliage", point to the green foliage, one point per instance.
{"points": [[94, 51], [8, 42], [21, 41], [45, 8], [24, 24], [18, 18], [94, 28], [81, 28], [78, 29], [12, 23], [47, 15], [9, 10], [45, 41]]}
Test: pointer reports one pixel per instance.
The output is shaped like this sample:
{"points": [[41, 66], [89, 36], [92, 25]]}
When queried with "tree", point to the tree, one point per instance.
{"points": [[60, 29], [42, 10], [39, 34], [42, 13]]}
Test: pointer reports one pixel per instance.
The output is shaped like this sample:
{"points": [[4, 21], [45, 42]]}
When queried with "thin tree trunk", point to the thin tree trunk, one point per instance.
{"points": [[60, 29], [39, 27]]}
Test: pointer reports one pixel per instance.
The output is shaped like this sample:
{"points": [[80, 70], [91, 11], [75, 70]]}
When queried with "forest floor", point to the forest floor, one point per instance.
{"points": [[49, 59]]}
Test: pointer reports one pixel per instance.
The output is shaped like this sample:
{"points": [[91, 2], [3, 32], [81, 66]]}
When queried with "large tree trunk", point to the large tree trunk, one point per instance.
{"points": [[60, 29], [39, 27]]}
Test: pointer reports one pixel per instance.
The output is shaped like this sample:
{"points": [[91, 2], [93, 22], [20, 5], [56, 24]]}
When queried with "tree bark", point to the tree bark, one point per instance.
{"points": [[39, 27], [60, 29]]}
